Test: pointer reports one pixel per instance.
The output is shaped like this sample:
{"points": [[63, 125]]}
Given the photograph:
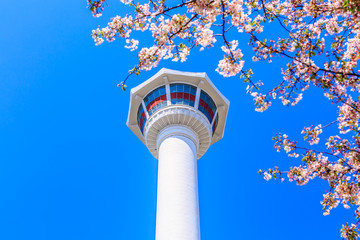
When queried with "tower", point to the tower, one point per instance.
{"points": [[177, 115]]}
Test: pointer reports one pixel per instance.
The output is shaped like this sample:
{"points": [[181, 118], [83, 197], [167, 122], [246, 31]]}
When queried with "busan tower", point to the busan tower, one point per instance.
{"points": [[177, 115]]}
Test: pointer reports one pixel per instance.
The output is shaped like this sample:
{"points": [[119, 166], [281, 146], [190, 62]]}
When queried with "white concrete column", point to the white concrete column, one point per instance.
{"points": [[168, 95], [177, 216], [198, 91]]}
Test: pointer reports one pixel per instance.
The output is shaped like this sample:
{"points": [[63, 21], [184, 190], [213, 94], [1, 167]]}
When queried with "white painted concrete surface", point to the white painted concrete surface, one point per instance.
{"points": [[177, 216]]}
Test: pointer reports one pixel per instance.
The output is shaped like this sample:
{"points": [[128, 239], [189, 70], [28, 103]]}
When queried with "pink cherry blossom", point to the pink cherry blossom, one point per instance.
{"points": [[321, 44]]}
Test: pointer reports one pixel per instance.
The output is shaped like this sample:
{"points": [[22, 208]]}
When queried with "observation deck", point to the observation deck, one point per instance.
{"points": [[174, 98]]}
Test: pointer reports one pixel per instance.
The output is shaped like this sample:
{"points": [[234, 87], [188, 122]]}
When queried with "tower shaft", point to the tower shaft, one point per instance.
{"points": [[177, 215]]}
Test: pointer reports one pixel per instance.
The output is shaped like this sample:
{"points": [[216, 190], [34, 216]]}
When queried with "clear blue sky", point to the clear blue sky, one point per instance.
{"points": [[71, 169]]}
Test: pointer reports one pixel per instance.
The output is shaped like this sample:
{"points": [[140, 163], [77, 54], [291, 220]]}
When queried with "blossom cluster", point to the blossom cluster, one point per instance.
{"points": [[312, 134], [339, 166], [96, 7], [232, 63]]}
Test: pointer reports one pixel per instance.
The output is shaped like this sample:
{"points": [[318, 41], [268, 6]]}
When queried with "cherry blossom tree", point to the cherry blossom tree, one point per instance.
{"points": [[322, 47]]}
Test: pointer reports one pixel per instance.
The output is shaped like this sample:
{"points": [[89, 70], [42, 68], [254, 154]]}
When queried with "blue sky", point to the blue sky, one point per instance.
{"points": [[71, 169]]}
